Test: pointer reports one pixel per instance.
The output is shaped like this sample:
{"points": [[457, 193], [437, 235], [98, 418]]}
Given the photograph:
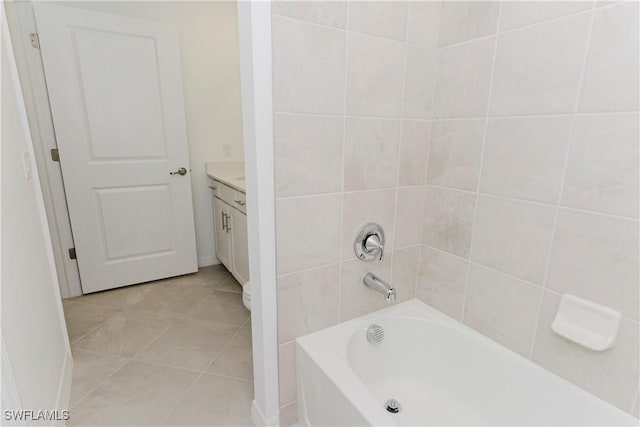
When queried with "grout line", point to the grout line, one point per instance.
{"points": [[423, 208], [349, 31], [510, 276], [471, 192], [482, 153], [523, 27], [305, 270], [558, 208], [344, 147], [400, 144], [444, 119], [203, 372], [533, 202], [497, 32]]}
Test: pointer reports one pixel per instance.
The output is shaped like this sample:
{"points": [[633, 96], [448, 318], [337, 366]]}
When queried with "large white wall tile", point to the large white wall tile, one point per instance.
{"points": [[516, 14], [448, 220], [386, 19], [363, 207], [596, 257], [409, 216], [371, 154], [331, 13], [612, 71], [455, 151], [524, 157], [423, 24], [307, 232], [308, 154], [414, 149], [538, 68], [503, 308], [463, 77], [406, 263], [287, 372], [375, 72], [356, 299], [602, 172], [441, 281], [611, 374], [513, 237], [308, 67], [307, 301], [419, 82], [466, 20]]}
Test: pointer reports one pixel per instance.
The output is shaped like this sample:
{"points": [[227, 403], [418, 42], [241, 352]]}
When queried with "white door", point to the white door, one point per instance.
{"points": [[116, 99]]}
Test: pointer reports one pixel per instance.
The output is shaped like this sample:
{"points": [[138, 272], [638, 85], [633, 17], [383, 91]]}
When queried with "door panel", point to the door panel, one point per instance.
{"points": [[240, 245], [137, 233], [119, 75], [115, 92]]}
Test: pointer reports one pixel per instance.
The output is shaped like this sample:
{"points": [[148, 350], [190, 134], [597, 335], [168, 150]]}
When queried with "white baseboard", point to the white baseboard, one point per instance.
{"points": [[206, 261], [258, 418], [64, 389]]}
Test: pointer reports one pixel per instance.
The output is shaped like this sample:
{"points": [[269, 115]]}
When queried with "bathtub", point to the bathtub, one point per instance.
{"points": [[441, 373]]}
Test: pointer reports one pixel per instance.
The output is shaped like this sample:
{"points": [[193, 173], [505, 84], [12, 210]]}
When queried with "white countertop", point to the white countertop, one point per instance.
{"points": [[230, 173]]}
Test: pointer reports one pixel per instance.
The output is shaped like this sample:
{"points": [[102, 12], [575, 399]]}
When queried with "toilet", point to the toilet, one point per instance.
{"points": [[246, 295]]}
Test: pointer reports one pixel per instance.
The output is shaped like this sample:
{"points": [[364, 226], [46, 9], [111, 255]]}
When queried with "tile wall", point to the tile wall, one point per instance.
{"points": [[532, 179], [353, 87], [497, 145]]}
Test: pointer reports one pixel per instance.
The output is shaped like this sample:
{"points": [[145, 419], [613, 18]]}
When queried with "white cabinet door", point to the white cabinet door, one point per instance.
{"points": [[221, 221], [240, 246], [115, 90]]}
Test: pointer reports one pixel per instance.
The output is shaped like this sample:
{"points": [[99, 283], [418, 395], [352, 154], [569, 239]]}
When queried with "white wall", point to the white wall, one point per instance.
{"points": [[211, 81], [33, 327]]}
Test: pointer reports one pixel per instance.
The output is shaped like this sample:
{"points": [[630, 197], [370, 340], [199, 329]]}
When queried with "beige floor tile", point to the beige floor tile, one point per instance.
{"points": [[139, 394], [126, 333], [117, 298], [236, 359], [214, 275], [149, 322], [172, 298], [189, 344], [83, 318], [230, 285], [214, 401], [222, 307], [89, 370]]}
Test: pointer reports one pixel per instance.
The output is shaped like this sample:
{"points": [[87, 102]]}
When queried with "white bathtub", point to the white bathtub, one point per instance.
{"points": [[440, 371]]}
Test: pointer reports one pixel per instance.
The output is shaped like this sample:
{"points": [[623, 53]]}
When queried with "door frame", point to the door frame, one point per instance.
{"points": [[254, 29], [36, 98]]}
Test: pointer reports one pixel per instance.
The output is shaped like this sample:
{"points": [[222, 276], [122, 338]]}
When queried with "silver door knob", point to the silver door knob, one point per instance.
{"points": [[181, 171]]}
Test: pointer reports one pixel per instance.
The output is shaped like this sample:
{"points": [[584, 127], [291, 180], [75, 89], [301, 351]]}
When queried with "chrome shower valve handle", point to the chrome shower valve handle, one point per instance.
{"points": [[369, 243]]}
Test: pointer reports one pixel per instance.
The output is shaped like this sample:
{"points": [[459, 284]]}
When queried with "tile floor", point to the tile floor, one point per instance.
{"points": [[175, 352]]}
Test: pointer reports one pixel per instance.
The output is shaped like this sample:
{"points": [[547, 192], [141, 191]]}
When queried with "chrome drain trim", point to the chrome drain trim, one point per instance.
{"points": [[393, 406]]}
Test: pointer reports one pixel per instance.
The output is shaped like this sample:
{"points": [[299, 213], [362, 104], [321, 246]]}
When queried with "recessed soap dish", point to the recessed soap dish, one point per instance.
{"points": [[591, 325]]}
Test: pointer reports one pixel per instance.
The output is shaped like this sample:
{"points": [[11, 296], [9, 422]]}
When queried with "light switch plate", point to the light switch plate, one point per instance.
{"points": [[27, 165]]}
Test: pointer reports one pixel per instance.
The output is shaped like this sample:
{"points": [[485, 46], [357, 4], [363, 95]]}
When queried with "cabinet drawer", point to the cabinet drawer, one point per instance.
{"points": [[240, 201], [223, 192]]}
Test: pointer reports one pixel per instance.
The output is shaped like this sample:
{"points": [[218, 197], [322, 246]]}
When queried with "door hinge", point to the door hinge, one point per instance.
{"points": [[72, 253], [55, 155], [35, 40]]}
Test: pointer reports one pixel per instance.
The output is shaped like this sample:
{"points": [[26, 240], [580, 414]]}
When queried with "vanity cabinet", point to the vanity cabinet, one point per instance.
{"points": [[230, 229]]}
